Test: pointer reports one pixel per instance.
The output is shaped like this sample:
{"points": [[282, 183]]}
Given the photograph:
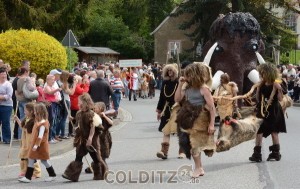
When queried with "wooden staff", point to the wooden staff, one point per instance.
{"points": [[11, 136]]}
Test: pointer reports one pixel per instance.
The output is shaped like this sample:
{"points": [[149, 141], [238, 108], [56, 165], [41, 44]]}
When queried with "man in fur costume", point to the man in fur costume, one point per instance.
{"points": [[164, 106], [197, 115], [225, 89], [86, 140]]}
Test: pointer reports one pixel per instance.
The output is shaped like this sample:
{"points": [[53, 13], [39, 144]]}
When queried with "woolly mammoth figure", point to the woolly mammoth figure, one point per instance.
{"points": [[234, 48]]}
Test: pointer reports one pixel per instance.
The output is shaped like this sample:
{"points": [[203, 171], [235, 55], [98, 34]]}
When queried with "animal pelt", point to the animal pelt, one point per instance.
{"points": [[184, 143], [171, 126], [187, 115], [286, 102], [85, 120], [73, 171], [194, 120], [233, 132], [100, 170], [29, 125]]}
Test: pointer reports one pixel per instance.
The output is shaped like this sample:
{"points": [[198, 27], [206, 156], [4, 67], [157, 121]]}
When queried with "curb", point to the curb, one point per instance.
{"points": [[61, 148]]}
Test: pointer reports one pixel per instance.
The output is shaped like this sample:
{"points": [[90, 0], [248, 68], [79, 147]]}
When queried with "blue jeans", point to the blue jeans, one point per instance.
{"points": [[61, 127], [54, 117], [5, 113], [22, 115], [116, 98]]}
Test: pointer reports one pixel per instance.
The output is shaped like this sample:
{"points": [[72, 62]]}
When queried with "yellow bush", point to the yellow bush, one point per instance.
{"points": [[43, 51]]}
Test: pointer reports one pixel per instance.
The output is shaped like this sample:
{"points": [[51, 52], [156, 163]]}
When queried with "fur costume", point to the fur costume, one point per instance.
{"points": [[27, 126], [73, 171], [194, 120], [171, 126], [105, 140], [286, 102], [225, 107], [233, 132], [174, 68], [167, 93], [42, 151], [85, 120]]}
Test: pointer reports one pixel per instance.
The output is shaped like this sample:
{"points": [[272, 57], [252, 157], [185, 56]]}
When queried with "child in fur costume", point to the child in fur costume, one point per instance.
{"points": [[225, 89], [269, 93], [197, 115], [105, 136], [39, 148], [165, 103], [88, 127], [27, 125]]}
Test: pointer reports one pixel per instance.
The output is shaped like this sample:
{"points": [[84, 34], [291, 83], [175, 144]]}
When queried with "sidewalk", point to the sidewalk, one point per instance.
{"points": [[55, 149]]}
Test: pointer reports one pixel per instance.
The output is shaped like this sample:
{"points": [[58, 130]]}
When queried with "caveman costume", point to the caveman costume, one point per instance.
{"points": [[193, 121], [86, 120], [225, 107]]}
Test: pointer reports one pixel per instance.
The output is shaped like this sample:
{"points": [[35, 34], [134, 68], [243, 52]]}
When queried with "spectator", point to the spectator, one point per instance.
{"points": [[133, 84], [100, 90], [23, 76], [67, 90], [52, 96], [79, 90], [117, 87], [6, 105]]}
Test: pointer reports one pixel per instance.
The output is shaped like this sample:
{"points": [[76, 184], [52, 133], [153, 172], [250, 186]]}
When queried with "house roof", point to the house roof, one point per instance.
{"points": [[163, 22], [97, 50]]}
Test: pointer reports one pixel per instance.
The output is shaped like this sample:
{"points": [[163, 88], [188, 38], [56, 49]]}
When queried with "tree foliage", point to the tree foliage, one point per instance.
{"points": [[271, 25], [43, 51]]}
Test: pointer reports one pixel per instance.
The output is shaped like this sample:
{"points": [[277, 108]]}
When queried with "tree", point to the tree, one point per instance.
{"points": [[271, 25], [43, 51]]}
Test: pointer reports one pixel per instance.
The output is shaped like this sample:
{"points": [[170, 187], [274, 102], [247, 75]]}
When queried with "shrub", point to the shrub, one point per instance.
{"points": [[43, 51]]}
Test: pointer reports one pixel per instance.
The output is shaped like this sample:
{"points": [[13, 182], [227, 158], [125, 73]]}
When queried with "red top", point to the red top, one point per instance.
{"points": [[79, 90], [41, 93]]}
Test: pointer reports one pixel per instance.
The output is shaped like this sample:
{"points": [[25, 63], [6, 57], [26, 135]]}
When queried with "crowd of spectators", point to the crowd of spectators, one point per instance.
{"points": [[60, 89]]}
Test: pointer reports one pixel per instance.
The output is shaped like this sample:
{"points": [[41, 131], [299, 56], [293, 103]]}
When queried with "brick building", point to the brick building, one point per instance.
{"points": [[167, 34]]}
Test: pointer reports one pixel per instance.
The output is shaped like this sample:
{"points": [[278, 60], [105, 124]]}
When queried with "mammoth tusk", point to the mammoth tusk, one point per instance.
{"points": [[260, 58], [254, 76], [209, 54], [216, 80]]}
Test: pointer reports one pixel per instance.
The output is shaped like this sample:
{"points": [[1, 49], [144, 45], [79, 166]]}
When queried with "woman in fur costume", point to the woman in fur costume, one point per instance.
{"points": [[88, 127], [165, 103], [269, 93], [197, 114], [225, 89], [105, 136]]}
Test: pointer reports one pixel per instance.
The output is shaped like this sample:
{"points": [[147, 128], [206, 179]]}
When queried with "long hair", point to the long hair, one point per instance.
{"points": [[100, 105], [199, 75], [168, 67], [40, 112], [268, 72], [86, 102], [30, 108], [64, 76]]}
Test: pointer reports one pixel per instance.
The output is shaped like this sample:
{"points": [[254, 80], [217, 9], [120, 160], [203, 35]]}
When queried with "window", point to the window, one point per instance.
{"points": [[172, 48], [290, 21]]}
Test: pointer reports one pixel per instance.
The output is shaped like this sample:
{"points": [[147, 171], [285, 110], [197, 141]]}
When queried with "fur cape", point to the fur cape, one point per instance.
{"points": [[225, 107], [194, 120]]}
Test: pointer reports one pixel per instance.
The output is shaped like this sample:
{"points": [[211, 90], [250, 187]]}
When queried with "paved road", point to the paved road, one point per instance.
{"points": [[133, 158]]}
